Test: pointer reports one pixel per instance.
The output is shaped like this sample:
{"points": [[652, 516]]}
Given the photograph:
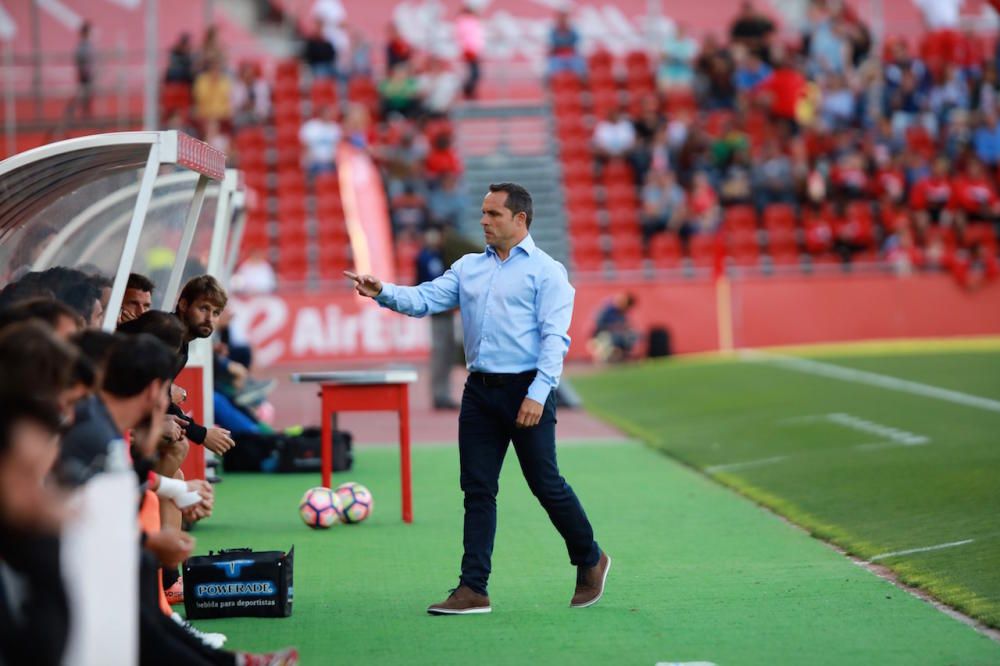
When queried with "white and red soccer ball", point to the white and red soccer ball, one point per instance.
{"points": [[320, 508], [356, 502]]}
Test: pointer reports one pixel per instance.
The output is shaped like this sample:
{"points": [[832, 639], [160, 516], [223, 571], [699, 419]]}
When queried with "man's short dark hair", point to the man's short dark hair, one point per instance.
{"points": [[34, 361], [26, 408], [74, 288], [44, 309], [95, 345], [518, 199], [204, 286], [135, 362], [164, 326], [140, 282]]}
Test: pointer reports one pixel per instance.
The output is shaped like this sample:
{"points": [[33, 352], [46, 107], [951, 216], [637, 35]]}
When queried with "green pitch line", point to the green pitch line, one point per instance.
{"points": [[700, 574], [873, 469]]}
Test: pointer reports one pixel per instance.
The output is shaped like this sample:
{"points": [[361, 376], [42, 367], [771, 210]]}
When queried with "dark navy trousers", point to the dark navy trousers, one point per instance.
{"points": [[485, 427]]}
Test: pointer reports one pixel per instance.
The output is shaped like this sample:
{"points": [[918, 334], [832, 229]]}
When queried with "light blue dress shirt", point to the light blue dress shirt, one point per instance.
{"points": [[515, 313]]}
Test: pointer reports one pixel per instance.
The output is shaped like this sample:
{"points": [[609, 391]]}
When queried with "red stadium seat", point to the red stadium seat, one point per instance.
{"points": [[323, 93], [740, 218], [176, 97], [627, 251], [665, 250], [779, 216], [701, 250]]}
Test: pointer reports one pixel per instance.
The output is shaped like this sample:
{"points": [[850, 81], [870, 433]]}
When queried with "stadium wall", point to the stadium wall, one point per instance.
{"points": [[340, 327]]}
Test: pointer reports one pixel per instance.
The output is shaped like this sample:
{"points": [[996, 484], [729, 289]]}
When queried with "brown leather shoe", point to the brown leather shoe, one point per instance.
{"points": [[590, 582], [462, 601]]}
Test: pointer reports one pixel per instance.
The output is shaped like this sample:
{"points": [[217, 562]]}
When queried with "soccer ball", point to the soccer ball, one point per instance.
{"points": [[320, 508], [356, 502]]}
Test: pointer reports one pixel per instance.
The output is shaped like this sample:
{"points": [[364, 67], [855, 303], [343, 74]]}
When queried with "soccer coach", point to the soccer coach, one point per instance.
{"points": [[516, 304]]}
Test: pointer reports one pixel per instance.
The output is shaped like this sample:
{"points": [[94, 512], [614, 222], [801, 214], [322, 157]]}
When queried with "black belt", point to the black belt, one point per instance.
{"points": [[494, 379]]}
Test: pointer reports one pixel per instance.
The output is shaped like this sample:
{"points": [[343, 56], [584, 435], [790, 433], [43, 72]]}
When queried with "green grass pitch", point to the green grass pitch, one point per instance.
{"points": [[699, 573], [811, 448]]}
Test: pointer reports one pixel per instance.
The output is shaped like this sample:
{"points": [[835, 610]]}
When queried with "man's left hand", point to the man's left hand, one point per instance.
{"points": [[530, 414]]}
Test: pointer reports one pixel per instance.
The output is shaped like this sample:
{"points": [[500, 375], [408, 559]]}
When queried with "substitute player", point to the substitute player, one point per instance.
{"points": [[516, 303]]}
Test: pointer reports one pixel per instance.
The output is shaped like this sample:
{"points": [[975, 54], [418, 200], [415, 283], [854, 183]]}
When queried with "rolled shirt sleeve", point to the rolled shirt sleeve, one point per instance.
{"points": [[554, 305]]}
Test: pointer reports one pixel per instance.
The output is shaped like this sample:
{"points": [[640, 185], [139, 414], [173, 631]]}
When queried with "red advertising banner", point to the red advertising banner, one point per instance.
{"points": [[303, 328], [327, 327], [366, 213]]}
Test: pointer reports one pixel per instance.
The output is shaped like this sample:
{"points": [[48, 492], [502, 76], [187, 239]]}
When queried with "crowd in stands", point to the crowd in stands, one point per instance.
{"points": [[77, 403], [328, 98], [890, 153]]}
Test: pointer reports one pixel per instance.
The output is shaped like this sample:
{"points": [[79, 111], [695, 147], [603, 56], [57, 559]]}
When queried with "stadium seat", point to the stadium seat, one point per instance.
{"points": [[175, 97], [779, 216], [327, 184], [701, 250], [740, 218], [323, 93], [665, 250], [626, 252]]}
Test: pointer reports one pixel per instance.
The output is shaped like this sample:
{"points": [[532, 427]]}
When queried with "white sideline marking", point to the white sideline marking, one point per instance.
{"points": [[896, 436], [685, 663], [874, 379], [743, 465], [910, 551]]}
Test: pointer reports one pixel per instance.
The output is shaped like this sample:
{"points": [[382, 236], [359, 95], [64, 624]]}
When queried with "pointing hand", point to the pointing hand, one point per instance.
{"points": [[366, 285]]}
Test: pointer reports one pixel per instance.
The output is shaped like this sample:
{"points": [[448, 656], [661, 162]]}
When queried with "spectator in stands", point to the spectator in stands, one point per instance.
{"points": [[471, 41], [446, 204], [649, 126], [251, 100], [564, 54], [750, 70], [676, 69], [138, 298], [732, 140], [849, 178], [752, 29], [974, 197], [211, 52], [319, 53], [403, 161], [408, 212], [360, 63], [180, 63], [986, 140], [714, 76], [255, 275], [320, 136], [614, 136], [704, 213], [438, 87], [985, 93], [614, 338], [83, 58], [332, 15], [838, 108], [400, 92], [442, 160], [735, 188], [828, 47], [397, 50], [931, 196], [663, 204], [431, 265], [213, 94], [948, 93], [773, 178]]}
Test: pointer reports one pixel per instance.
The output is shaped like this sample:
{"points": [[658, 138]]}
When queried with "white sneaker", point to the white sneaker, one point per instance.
{"points": [[212, 640]]}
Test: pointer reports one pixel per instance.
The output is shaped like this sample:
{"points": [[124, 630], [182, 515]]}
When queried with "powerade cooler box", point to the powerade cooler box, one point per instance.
{"points": [[238, 583]]}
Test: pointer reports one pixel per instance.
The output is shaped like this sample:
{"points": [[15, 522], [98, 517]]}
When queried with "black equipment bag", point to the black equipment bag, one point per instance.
{"points": [[238, 582], [659, 342], [278, 452]]}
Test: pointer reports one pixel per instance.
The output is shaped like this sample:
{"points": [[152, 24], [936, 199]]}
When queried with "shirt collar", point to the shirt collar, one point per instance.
{"points": [[527, 246]]}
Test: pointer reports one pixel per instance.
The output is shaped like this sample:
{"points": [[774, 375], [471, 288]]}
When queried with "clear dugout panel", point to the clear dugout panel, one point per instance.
{"points": [[73, 229]]}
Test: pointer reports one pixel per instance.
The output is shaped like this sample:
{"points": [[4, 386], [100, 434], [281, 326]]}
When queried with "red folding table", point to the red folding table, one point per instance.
{"points": [[365, 391]]}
